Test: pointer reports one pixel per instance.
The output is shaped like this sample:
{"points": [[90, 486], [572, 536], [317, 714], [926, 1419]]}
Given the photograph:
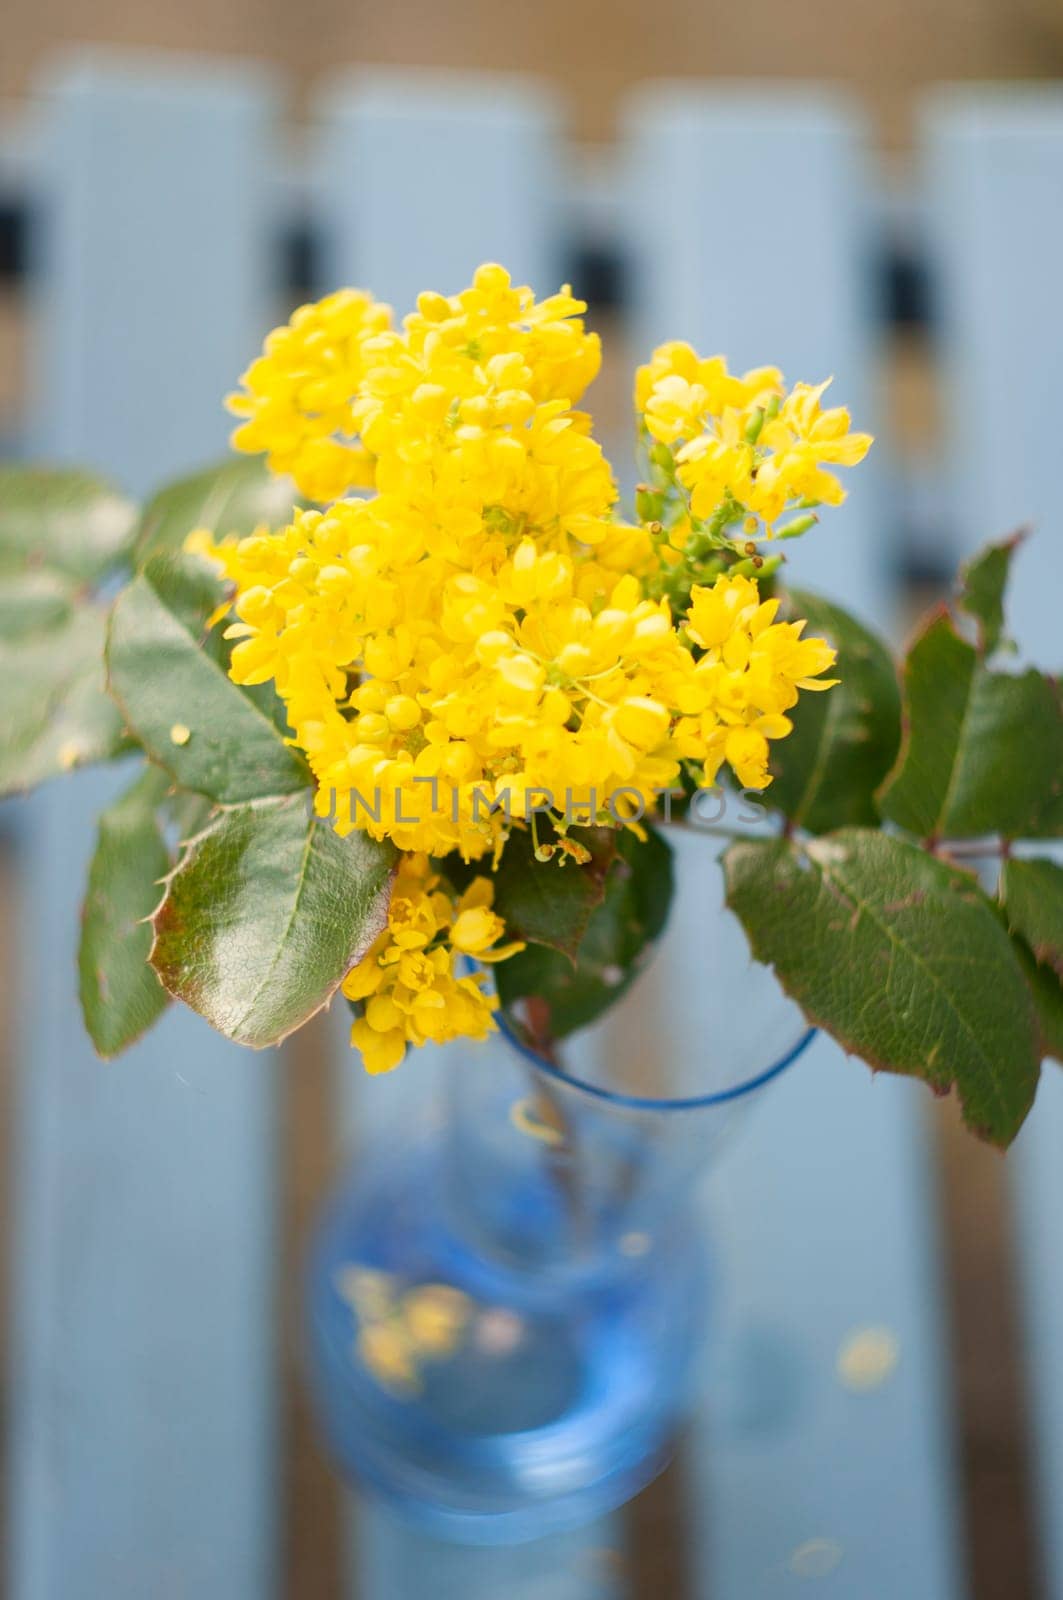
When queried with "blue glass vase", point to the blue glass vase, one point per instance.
{"points": [[508, 1294]]}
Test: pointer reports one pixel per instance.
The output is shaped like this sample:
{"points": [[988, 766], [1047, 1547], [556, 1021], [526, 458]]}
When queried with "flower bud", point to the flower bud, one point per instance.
{"points": [[642, 721], [649, 503], [754, 425], [663, 460], [800, 525]]}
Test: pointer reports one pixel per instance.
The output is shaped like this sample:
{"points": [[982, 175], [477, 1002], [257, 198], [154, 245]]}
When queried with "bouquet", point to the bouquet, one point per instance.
{"points": [[419, 703]]}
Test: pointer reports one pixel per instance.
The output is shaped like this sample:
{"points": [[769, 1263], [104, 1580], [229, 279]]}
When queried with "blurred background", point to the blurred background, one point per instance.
{"points": [[874, 190], [593, 54], [882, 55]]}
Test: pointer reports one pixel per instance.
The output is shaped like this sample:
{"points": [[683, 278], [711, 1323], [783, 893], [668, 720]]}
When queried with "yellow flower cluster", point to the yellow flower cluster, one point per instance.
{"points": [[480, 632], [744, 446], [748, 676], [482, 637], [401, 1328], [407, 982], [299, 394], [436, 706]]}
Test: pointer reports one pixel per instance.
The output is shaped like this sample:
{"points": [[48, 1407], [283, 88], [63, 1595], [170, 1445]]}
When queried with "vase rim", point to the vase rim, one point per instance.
{"points": [[636, 1102]]}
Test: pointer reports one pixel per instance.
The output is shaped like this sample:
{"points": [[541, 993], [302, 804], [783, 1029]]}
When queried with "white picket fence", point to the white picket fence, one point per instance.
{"points": [[144, 1392]]}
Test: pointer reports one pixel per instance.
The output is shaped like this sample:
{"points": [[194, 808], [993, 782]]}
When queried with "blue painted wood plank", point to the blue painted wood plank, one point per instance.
{"points": [[781, 281], [585, 1565], [993, 162], [826, 1217], [155, 252], [1038, 1195], [823, 1208], [143, 1437], [422, 177], [993, 165], [430, 173], [144, 1457]]}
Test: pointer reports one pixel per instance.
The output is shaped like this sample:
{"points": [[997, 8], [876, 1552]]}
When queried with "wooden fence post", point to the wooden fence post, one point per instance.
{"points": [[748, 214], [423, 177], [993, 186], [143, 1436]]}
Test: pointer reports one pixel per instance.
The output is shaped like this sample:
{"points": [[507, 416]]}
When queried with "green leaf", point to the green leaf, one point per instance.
{"points": [[845, 740], [901, 958], [187, 814], [614, 947], [34, 602], [235, 496], [193, 591], [55, 713], [983, 581], [1047, 993], [266, 913], [1046, 988], [120, 995], [167, 685], [551, 902], [190, 590], [982, 752], [1032, 893], [61, 518]]}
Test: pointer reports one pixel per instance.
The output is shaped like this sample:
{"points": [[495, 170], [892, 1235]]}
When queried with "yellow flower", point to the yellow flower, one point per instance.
{"points": [[742, 446], [476, 929], [800, 441], [716, 613], [745, 680], [409, 984]]}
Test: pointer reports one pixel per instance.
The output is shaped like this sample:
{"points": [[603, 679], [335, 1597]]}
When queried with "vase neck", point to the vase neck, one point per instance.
{"points": [[536, 1170]]}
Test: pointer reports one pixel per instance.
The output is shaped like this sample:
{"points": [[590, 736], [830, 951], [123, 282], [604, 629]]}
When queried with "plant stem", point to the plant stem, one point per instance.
{"points": [[561, 1158], [709, 829], [970, 849]]}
